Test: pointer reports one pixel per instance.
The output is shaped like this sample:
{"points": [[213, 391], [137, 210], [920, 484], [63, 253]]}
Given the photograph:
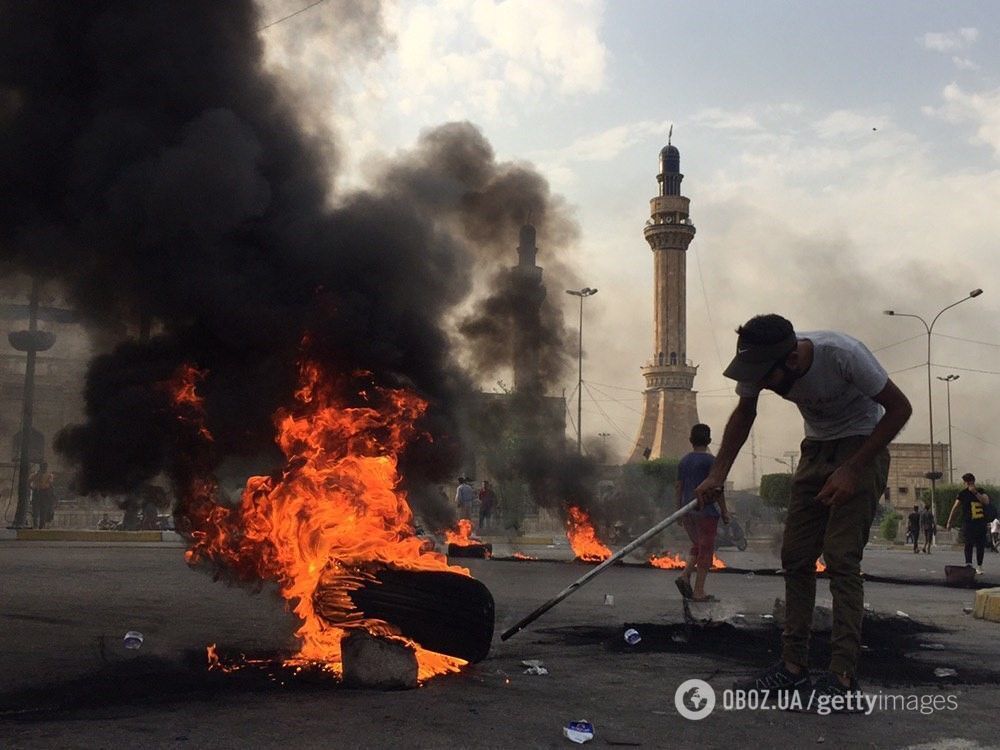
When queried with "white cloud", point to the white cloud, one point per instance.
{"points": [[472, 56], [949, 41], [721, 119], [980, 108], [964, 63]]}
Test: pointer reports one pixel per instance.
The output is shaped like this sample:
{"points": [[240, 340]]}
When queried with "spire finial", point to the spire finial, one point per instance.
{"points": [[670, 134]]}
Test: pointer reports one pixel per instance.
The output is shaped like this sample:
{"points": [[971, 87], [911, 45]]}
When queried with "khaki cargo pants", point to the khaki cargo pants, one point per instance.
{"points": [[839, 534]]}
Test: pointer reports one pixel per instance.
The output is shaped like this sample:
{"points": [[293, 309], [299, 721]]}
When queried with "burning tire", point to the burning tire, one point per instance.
{"points": [[445, 612]]}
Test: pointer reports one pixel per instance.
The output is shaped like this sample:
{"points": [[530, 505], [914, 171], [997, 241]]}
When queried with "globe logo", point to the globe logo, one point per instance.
{"points": [[694, 699]]}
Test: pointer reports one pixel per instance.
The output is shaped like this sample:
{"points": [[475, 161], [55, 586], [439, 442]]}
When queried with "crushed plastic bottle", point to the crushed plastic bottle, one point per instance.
{"points": [[132, 640], [632, 636], [945, 672], [579, 731]]}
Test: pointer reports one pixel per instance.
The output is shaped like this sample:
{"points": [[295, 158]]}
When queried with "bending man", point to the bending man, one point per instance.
{"points": [[852, 410]]}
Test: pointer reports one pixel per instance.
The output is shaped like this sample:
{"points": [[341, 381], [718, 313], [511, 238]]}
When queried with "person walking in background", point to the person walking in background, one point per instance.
{"points": [[973, 504], [43, 500], [852, 410], [465, 496], [995, 534], [913, 528], [701, 525], [929, 527], [487, 501]]}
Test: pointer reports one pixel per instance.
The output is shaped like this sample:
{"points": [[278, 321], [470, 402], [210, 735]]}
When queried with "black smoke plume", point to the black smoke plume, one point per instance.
{"points": [[153, 168]]}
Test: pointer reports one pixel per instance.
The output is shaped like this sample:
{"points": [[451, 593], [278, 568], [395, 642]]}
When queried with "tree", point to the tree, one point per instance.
{"points": [[776, 490]]}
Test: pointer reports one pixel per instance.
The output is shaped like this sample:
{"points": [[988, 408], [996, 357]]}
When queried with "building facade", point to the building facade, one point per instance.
{"points": [[669, 404], [909, 463]]}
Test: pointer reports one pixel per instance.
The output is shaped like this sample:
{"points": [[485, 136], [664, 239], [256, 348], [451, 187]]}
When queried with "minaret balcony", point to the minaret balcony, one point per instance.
{"points": [[669, 376]]}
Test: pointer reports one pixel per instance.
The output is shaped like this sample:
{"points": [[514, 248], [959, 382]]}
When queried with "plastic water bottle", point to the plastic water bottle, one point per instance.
{"points": [[632, 636], [133, 640]]}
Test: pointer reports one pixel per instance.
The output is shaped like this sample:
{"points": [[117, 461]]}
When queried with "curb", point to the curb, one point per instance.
{"points": [[987, 606], [87, 535]]}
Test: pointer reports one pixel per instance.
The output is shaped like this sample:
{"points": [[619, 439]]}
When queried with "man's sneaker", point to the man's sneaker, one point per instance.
{"points": [[829, 696], [775, 679], [979, 571]]}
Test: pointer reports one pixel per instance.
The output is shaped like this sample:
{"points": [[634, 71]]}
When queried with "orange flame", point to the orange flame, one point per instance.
{"points": [[582, 537], [462, 537], [189, 405], [667, 561], [674, 562], [820, 566], [335, 516], [522, 556]]}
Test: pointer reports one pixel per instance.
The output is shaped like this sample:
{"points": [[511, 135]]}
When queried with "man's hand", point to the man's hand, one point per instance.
{"points": [[840, 486], [726, 517], [708, 491]]}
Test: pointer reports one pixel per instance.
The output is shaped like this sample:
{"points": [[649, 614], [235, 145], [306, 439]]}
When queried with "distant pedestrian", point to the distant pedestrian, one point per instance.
{"points": [[465, 496], [43, 499], [929, 526], [487, 501], [994, 534], [913, 528], [973, 504], [701, 525]]}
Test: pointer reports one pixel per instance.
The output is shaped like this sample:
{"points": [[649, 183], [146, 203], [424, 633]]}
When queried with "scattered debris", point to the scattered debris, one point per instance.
{"points": [[738, 619], [632, 636], [901, 613], [609, 600], [534, 666], [933, 646], [767, 618], [967, 610], [132, 640], [945, 672], [750, 574], [579, 731]]}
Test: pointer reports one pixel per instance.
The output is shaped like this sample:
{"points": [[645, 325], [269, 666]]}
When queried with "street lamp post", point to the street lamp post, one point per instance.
{"points": [[933, 474], [951, 446], [581, 293]]}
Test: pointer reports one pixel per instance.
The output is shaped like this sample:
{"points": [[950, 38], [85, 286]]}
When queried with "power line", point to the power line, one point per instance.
{"points": [[967, 369], [600, 409], [708, 309], [901, 341], [981, 440], [291, 15], [969, 341]]}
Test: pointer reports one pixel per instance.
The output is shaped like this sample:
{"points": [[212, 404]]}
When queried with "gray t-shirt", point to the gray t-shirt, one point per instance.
{"points": [[835, 395]]}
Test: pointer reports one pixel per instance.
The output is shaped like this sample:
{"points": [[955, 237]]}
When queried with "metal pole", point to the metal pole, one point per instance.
{"points": [[579, 387], [951, 444], [579, 582], [930, 402], [27, 414], [930, 417]]}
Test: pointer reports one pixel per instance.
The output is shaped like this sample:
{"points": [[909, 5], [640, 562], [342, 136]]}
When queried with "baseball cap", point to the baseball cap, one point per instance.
{"points": [[753, 361]]}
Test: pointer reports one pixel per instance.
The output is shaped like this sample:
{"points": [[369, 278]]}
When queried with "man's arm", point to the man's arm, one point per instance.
{"points": [[735, 435], [843, 483]]}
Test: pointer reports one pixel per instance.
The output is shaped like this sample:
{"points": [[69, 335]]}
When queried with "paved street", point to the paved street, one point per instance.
{"points": [[69, 683]]}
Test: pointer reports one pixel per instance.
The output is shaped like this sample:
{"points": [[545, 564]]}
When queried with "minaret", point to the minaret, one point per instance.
{"points": [[529, 293], [669, 406]]}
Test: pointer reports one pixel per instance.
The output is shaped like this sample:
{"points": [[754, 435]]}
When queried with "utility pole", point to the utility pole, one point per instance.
{"points": [[581, 293], [951, 446], [31, 342]]}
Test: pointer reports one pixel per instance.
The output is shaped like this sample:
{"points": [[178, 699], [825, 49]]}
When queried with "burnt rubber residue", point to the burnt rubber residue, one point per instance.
{"points": [[894, 649]]}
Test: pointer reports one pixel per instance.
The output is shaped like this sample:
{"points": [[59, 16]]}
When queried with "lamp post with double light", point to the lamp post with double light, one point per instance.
{"points": [[581, 293], [933, 474], [951, 446]]}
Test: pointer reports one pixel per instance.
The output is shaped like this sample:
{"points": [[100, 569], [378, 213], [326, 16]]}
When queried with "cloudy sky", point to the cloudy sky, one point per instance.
{"points": [[841, 159]]}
